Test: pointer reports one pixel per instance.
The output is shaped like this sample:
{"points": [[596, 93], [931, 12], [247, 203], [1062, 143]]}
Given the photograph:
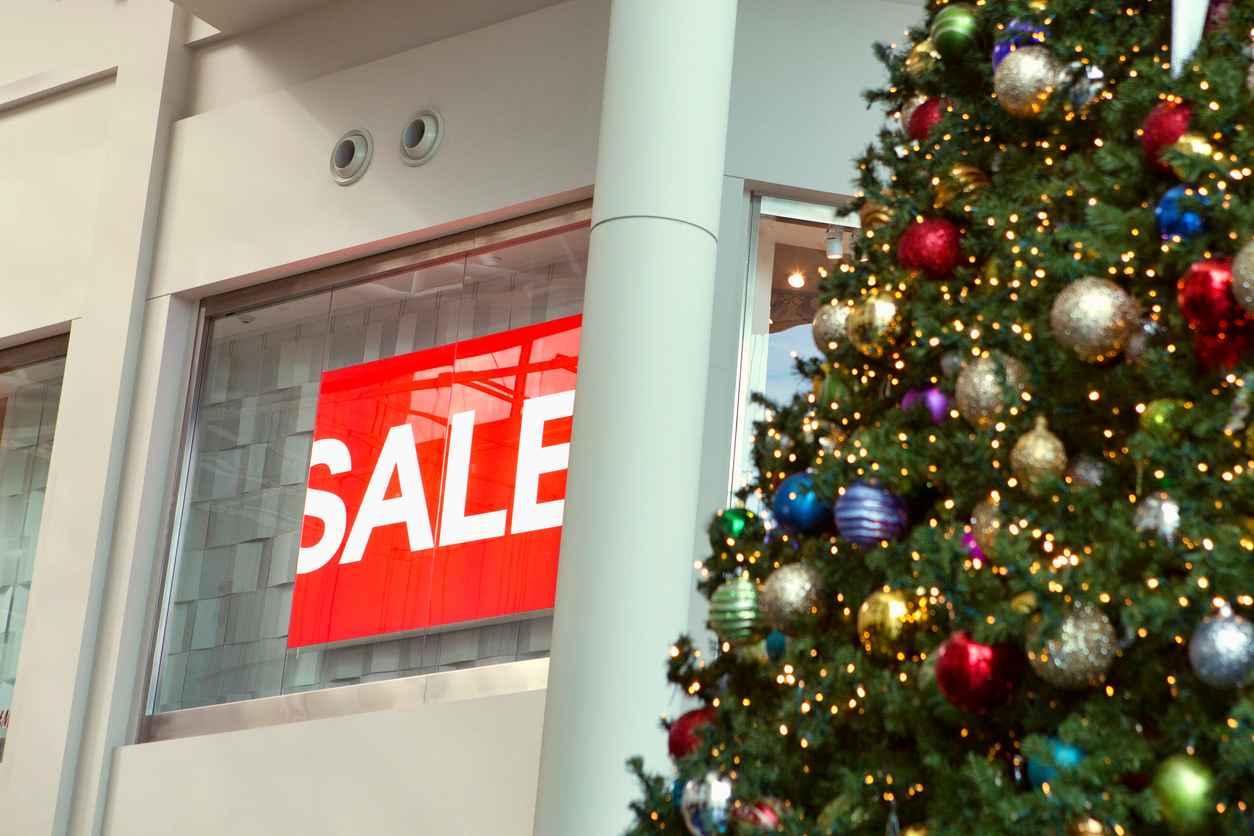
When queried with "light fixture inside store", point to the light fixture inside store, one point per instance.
{"points": [[835, 243], [797, 279]]}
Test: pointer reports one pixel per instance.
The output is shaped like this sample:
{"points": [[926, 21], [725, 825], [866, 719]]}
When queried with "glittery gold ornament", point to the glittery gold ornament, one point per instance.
{"points": [[1038, 456], [1094, 317], [1086, 827], [829, 325], [791, 597], [921, 58], [985, 525], [1243, 277], [1025, 79], [987, 386], [1192, 145], [1078, 653], [874, 324], [873, 215], [888, 621], [962, 180]]}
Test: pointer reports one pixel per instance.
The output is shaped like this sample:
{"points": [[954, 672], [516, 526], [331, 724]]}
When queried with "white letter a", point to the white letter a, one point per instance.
{"points": [[400, 456]]}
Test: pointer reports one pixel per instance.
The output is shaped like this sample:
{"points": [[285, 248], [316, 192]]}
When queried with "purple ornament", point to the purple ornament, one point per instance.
{"points": [[936, 401], [972, 547], [1018, 33]]}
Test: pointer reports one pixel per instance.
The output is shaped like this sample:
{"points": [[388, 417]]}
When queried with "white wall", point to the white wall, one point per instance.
{"points": [[453, 768]]}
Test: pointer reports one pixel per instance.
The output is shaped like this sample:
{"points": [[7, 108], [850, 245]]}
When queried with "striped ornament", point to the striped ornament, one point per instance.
{"points": [[867, 514]]}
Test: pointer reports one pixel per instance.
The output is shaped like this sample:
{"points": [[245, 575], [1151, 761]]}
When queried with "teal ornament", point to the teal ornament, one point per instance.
{"points": [[734, 611], [776, 645], [954, 31], [1065, 757], [797, 505], [1178, 213]]}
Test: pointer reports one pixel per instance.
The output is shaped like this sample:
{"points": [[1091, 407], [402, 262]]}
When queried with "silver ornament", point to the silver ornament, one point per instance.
{"points": [[1086, 471], [1243, 277], [829, 325], [1025, 79], [1079, 654], [790, 597], [951, 363], [1142, 338], [1084, 84], [1222, 649], [1160, 515], [706, 804]]}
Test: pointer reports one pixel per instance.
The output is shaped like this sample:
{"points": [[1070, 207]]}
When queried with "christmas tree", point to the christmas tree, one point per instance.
{"points": [[1003, 571]]}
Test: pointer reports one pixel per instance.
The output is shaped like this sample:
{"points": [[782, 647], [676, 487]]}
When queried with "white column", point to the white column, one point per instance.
{"points": [[631, 501]]}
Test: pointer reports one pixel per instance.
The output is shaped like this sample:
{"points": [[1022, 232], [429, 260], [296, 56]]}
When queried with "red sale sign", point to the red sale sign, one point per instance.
{"points": [[437, 482]]}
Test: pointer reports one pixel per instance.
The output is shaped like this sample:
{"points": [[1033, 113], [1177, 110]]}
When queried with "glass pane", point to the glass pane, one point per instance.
{"points": [[351, 365], [28, 415]]}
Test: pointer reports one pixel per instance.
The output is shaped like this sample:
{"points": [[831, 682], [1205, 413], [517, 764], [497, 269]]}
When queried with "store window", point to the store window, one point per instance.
{"points": [[30, 390], [375, 470], [797, 244]]}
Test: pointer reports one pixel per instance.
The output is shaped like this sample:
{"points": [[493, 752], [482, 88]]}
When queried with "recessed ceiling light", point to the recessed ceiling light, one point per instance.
{"points": [[797, 279]]}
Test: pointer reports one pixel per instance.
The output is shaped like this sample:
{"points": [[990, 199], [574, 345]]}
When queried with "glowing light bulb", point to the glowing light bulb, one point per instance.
{"points": [[797, 279]]}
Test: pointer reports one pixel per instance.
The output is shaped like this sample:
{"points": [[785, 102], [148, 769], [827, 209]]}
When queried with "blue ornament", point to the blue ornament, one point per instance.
{"points": [[798, 507], [677, 794], [1017, 33], [1065, 756], [1174, 220], [776, 644], [867, 514], [706, 805]]}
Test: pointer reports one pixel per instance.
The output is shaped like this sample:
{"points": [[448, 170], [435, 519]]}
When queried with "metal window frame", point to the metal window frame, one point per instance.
{"points": [[402, 692], [28, 354]]}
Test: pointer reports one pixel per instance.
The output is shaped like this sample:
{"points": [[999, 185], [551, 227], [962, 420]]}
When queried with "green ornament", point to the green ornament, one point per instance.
{"points": [[954, 30], [1161, 418], [829, 389], [1184, 788], [734, 612], [733, 521]]}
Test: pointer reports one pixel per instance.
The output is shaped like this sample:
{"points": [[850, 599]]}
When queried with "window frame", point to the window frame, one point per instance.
{"points": [[399, 692]]}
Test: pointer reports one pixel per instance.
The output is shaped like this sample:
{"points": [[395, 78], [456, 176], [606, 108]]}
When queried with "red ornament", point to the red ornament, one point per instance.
{"points": [[1204, 294], [977, 677], [925, 117], [683, 737], [933, 246], [1165, 124], [1226, 349], [762, 814]]}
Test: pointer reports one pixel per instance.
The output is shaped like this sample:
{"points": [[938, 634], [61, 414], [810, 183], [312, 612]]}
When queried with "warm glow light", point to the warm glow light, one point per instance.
{"points": [[797, 279]]}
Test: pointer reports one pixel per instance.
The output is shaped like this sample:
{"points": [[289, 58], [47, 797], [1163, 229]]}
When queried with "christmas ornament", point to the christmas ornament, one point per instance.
{"points": [[1086, 471], [684, 736], [1192, 145], [873, 215], [1243, 277], [987, 386], [762, 815], [915, 830], [776, 645], [951, 363], [1206, 297], [706, 805], [962, 180], [973, 548], [1065, 757], [932, 399], [976, 677], [1017, 33], [874, 324], [1222, 649], [1225, 349], [1184, 788], [866, 514], [1176, 219], [933, 245], [1078, 653], [1083, 83], [925, 117], [791, 597], [734, 613], [889, 620], [829, 325], [1160, 514], [908, 107], [829, 388], [985, 525], [1024, 603], [1164, 125], [1025, 80], [1086, 827], [1038, 456], [733, 521], [1094, 317], [1142, 338], [922, 58], [1161, 418], [954, 31], [797, 507]]}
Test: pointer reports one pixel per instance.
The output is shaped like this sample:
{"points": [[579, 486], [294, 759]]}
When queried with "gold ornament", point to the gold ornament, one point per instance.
{"points": [[1192, 145], [1024, 603], [1243, 277], [1038, 456], [1079, 653], [1025, 79], [1086, 827], [888, 621], [962, 180], [985, 525], [922, 58], [829, 325], [915, 830], [874, 324], [873, 215], [1095, 318], [986, 386]]}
